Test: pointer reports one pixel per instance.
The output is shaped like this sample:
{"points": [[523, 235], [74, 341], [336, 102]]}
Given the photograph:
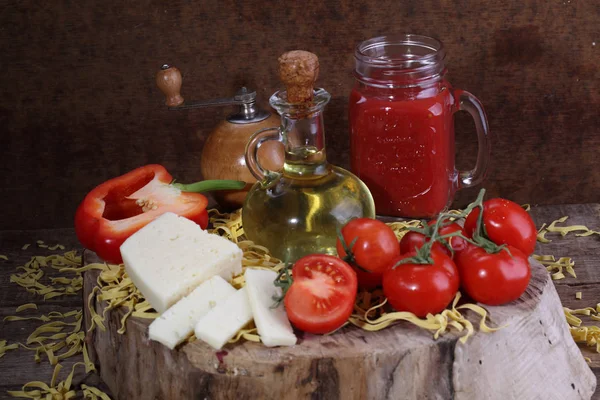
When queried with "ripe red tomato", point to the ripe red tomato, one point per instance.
{"points": [[458, 244], [505, 222], [422, 288], [493, 279], [323, 293], [375, 249], [412, 240], [367, 280]]}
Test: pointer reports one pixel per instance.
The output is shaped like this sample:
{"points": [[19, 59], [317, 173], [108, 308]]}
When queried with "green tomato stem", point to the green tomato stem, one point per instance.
{"points": [[349, 257], [284, 281], [423, 255], [210, 185]]}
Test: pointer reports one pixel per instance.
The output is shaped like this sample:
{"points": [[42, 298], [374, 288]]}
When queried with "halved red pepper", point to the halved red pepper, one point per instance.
{"points": [[121, 206]]}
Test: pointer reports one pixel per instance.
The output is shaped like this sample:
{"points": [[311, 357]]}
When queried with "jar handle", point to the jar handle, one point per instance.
{"points": [[469, 103], [265, 177]]}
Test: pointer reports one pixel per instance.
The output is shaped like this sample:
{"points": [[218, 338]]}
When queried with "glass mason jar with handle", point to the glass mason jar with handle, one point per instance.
{"points": [[401, 117]]}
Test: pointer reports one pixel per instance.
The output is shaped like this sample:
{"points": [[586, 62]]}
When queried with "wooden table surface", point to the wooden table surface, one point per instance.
{"points": [[18, 366]]}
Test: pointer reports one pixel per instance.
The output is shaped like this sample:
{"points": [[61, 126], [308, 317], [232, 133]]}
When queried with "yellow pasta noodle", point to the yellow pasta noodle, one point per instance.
{"points": [[588, 334]]}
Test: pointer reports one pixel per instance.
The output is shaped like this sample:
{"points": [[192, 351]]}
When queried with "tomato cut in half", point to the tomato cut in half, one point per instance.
{"points": [[323, 293]]}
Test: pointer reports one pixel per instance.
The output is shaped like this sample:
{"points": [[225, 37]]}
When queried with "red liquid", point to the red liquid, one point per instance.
{"points": [[402, 147]]}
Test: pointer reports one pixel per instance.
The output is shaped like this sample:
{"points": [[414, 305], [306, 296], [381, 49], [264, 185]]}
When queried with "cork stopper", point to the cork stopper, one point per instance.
{"points": [[298, 70]]}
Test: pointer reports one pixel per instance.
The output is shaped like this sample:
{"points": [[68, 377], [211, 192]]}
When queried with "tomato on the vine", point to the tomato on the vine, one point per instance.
{"points": [[367, 280], [374, 248], [322, 295], [457, 243], [505, 222], [495, 278], [414, 240], [422, 288]]}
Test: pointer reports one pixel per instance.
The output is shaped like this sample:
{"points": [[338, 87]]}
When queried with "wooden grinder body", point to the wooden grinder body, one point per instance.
{"points": [[223, 157]]}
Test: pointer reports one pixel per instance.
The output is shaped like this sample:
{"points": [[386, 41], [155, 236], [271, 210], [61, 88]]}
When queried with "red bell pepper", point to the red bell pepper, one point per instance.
{"points": [[121, 206]]}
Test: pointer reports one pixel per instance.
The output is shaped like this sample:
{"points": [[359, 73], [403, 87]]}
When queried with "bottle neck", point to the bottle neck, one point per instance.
{"points": [[303, 132], [304, 140]]}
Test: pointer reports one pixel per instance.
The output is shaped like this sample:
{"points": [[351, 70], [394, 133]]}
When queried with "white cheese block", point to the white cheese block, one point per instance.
{"points": [[222, 322], [171, 256], [178, 322], [273, 325]]}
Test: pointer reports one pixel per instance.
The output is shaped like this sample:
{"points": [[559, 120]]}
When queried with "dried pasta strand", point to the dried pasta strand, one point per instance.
{"points": [[56, 390], [564, 230], [438, 324], [541, 235], [55, 375], [93, 393], [4, 347], [556, 266], [581, 311], [248, 333], [27, 306], [145, 315], [483, 313], [89, 365], [588, 334]]}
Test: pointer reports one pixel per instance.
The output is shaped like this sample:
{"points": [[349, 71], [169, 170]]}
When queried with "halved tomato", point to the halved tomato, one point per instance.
{"points": [[322, 296]]}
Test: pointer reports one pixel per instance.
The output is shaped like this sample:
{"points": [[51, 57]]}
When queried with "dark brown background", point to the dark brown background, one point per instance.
{"points": [[79, 104]]}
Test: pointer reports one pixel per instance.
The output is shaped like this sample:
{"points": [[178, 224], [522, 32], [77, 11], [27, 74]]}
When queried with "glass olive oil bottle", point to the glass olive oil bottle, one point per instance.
{"points": [[297, 211]]}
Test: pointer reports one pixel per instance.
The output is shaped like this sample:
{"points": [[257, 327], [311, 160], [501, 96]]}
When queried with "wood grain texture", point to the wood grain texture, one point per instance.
{"points": [[79, 101], [18, 366], [12, 242], [23, 367], [585, 251], [590, 297], [354, 364]]}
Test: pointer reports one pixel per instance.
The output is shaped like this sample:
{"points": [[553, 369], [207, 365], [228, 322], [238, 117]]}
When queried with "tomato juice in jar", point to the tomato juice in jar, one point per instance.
{"points": [[401, 117]]}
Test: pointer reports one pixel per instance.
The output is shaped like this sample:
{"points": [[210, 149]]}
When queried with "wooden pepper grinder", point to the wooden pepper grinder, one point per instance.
{"points": [[223, 152]]}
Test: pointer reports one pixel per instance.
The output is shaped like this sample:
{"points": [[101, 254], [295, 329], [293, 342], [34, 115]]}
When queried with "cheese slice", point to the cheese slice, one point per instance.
{"points": [[272, 324], [222, 322], [178, 322], [171, 256]]}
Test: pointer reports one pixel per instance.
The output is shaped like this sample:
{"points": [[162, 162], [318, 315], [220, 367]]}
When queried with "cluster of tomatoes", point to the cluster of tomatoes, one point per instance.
{"points": [[487, 258]]}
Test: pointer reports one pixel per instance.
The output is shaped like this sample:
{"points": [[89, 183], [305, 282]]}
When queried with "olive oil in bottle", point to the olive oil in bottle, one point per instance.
{"points": [[298, 211]]}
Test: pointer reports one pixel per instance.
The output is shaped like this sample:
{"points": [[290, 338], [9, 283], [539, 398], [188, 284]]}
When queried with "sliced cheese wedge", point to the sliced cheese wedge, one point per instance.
{"points": [[222, 322], [178, 322], [272, 324], [171, 256]]}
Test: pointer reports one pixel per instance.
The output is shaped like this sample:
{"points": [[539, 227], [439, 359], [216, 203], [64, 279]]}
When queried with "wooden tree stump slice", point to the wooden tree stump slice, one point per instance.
{"points": [[534, 357]]}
